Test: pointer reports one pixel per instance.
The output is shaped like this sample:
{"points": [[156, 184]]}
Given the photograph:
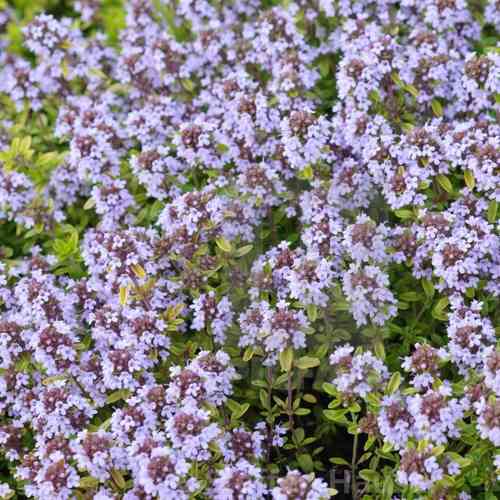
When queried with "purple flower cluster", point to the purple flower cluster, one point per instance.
{"points": [[240, 179]]}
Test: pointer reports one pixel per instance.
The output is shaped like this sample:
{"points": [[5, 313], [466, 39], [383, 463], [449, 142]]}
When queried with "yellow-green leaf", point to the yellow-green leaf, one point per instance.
{"points": [[90, 203], [25, 144], [242, 409], [174, 311], [118, 396], [369, 475], [329, 389], [138, 270], [248, 354], [187, 84], [286, 359], [124, 293], [243, 250], [324, 67], [312, 312], [223, 244], [88, 482], [118, 479], [379, 349], [437, 108], [306, 362], [445, 183], [410, 296], [336, 416], [470, 181], [307, 173], [411, 90], [438, 310], [54, 378], [492, 211], [397, 80], [310, 398], [404, 214], [306, 463], [428, 287], [441, 304], [394, 383]]}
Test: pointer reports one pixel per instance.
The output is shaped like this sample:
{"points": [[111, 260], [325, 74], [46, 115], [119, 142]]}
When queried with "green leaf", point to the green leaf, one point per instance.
{"points": [[243, 250], [470, 181], [299, 435], [339, 461], [105, 425], [369, 443], [223, 244], [90, 203], [124, 293], [324, 67], [438, 310], [306, 173], [397, 79], [264, 399], [336, 416], [437, 108], [379, 349], [442, 303], [388, 488], [88, 482], [222, 148], [374, 96], [306, 362], [286, 359], [438, 450], [232, 405], [411, 89], [445, 183], [394, 383], [387, 447], [73, 242], [310, 398], [492, 211], [242, 409], [404, 214], [410, 296], [248, 354], [138, 270], [428, 287], [373, 399], [312, 312], [306, 463], [25, 145], [188, 84], [369, 475], [118, 479], [329, 389], [54, 378], [302, 411], [118, 396]]}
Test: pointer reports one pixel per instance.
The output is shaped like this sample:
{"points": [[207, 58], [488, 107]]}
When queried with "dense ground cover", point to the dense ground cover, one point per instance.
{"points": [[248, 246]]}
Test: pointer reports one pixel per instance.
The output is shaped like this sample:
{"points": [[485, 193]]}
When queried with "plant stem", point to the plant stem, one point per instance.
{"points": [[270, 399], [290, 400], [353, 467]]}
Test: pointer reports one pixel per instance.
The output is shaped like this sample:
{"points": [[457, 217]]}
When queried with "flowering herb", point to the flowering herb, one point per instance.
{"points": [[246, 246]]}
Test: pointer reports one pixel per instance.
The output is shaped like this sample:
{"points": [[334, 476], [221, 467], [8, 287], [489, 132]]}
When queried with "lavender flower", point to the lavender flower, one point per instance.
{"points": [[300, 486], [358, 374], [366, 288], [242, 480]]}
